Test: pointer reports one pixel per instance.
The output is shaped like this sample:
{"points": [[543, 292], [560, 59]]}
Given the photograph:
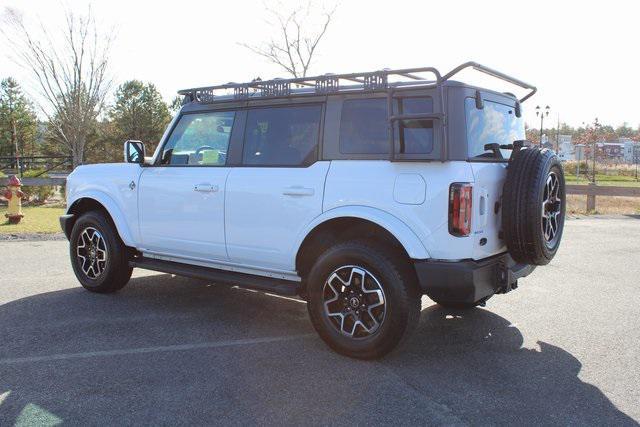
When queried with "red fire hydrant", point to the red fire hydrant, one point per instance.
{"points": [[14, 197]]}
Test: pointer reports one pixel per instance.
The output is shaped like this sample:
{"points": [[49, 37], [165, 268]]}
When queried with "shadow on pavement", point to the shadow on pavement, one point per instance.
{"points": [[459, 367]]}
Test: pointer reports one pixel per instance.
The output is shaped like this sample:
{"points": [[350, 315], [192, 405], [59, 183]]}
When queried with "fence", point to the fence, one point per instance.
{"points": [[44, 164], [592, 190]]}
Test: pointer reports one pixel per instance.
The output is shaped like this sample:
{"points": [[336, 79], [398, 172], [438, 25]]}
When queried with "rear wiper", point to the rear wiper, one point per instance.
{"points": [[495, 148]]}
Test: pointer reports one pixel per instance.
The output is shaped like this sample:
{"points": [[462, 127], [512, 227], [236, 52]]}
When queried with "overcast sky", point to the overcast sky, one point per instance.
{"points": [[583, 56]]}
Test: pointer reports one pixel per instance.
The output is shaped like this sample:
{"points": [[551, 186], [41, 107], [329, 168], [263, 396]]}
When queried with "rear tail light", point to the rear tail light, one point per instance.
{"points": [[460, 200]]}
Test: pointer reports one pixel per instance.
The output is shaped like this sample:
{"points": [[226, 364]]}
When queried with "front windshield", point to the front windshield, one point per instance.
{"points": [[495, 123]]}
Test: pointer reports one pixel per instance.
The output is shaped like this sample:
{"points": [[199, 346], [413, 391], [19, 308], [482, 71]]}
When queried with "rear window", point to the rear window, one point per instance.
{"points": [[364, 127], [282, 136], [495, 123]]}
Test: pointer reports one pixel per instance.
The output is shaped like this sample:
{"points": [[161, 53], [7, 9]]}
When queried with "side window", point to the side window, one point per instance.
{"points": [[415, 136], [364, 126], [282, 136], [200, 139]]}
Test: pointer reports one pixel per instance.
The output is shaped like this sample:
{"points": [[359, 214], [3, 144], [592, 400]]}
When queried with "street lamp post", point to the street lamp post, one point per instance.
{"points": [[542, 114]]}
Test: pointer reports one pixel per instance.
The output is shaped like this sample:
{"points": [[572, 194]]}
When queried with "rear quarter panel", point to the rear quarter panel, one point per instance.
{"points": [[395, 188]]}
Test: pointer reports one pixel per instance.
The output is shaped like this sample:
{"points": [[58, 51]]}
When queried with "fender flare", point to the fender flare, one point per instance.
{"points": [[401, 231], [112, 209]]}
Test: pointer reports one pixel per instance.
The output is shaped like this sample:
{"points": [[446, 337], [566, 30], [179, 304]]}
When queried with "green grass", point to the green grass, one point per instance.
{"points": [[608, 180], [37, 219]]}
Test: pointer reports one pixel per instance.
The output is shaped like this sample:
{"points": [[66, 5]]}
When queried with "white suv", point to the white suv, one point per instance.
{"points": [[358, 192]]}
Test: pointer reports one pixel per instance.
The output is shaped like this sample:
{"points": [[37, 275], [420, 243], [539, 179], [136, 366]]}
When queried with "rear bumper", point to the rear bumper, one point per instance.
{"points": [[469, 281], [66, 223]]}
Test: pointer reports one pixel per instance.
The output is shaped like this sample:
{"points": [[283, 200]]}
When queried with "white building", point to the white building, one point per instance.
{"points": [[630, 150], [566, 150]]}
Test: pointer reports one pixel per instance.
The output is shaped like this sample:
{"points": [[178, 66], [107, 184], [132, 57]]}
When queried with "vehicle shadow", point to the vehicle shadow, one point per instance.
{"points": [[459, 367]]}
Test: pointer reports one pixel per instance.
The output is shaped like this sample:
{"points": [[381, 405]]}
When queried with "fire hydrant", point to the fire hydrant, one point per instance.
{"points": [[14, 197]]}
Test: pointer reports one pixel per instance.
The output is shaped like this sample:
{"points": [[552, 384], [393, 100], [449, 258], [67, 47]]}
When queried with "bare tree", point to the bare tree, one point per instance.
{"points": [[296, 39], [70, 74]]}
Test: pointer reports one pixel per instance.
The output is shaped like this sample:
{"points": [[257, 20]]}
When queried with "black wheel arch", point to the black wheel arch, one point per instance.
{"points": [[342, 229], [84, 205]]}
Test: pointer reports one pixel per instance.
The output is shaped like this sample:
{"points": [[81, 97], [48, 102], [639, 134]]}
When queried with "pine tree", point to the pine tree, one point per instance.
{"points": [[139, 113], [18, 121]]}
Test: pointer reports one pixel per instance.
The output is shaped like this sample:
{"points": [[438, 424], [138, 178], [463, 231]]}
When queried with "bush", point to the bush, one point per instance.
{"points": [[40, 193], [610, 169]]}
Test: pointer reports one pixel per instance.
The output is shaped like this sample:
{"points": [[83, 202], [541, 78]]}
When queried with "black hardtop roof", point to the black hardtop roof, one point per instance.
{"points": [[382, 80]]}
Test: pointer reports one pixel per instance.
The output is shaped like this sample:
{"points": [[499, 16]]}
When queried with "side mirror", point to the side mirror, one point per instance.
{"points": [[134, 152]]}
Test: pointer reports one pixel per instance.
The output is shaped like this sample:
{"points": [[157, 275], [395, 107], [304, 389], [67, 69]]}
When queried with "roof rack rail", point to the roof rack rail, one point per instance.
{"points": [[493, 73], [334, 83]]}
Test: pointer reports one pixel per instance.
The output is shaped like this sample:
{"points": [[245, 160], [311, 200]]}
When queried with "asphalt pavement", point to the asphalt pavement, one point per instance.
{"points": [[564, 348]]}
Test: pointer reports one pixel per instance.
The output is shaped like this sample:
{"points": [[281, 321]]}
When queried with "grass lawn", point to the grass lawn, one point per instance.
{"points": [[37, 219], [608, 180]]}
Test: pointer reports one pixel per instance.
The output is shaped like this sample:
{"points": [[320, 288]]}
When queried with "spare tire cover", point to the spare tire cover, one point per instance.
{"points": [[534, 205]]}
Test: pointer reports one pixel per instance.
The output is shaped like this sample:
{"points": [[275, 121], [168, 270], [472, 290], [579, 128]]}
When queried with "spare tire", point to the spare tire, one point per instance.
{"points": [[534, 205]]}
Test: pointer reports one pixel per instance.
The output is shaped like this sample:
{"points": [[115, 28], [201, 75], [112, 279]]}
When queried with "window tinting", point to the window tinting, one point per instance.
{"points": [[415, 136], [364, 127], [199, 140], [282, 136], [495, 123]]}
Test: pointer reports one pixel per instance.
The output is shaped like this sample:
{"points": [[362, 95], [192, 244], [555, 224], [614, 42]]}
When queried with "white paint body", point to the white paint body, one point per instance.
{"points": [[254, 219]]}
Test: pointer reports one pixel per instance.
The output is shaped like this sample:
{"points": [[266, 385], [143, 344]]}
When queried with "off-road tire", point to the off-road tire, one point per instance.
{"points": [[398, 283], [115, 271], [523, 208]]}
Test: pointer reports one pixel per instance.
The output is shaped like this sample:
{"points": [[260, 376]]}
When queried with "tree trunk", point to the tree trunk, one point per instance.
{"points": [[77, 156]]}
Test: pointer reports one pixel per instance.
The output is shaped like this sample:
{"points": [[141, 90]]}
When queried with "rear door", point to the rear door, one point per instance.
{"points": [[496, 122], [182, 197], [278, 188]]}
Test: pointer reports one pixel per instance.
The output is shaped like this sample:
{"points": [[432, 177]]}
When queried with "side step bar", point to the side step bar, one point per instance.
{"points": [[261, 283]]}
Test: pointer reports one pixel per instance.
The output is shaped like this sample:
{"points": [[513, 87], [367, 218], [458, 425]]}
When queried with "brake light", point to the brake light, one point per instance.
{"points": [[460, 200]]}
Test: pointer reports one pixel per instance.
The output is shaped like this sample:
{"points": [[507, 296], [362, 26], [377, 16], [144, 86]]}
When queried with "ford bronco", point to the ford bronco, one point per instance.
{"points": [[359, 193]]}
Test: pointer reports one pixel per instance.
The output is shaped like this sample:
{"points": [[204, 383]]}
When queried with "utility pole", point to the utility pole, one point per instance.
{"points": [[542, 113], [558, 135], [596, 125]]}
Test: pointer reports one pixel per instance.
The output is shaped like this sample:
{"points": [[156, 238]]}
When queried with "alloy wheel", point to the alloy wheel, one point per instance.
{"points": [[91, 251], [551, 209], [354, 301]]}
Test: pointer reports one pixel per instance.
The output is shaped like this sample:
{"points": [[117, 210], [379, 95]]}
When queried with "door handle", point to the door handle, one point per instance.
{"points": [[205, 188], [298, 191]]}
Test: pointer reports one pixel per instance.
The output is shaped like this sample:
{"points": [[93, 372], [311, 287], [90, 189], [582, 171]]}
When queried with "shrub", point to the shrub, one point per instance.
{"points": [[40, 193]]}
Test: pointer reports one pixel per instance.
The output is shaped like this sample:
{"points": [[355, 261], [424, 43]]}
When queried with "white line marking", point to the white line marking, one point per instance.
{"points": [[4, 395], [142, 350]]}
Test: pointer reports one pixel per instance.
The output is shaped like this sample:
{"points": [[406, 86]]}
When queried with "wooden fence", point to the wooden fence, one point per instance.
{"points": [[589, 190], [37, 181]]}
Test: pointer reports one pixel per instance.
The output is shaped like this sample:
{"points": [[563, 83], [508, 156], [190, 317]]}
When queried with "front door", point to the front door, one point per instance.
{"points": [[278, 189], [182, 196]]}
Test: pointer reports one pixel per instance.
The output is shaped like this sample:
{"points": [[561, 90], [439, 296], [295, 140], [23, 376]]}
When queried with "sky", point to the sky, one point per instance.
{"points": [[582, 55]]}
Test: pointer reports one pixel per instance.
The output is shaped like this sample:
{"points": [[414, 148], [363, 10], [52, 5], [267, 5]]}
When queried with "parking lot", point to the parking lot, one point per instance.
{"points": [[562, 349]]}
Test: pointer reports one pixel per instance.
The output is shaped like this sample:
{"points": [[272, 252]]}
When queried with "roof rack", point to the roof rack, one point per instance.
{"points": [[337, 83]]}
